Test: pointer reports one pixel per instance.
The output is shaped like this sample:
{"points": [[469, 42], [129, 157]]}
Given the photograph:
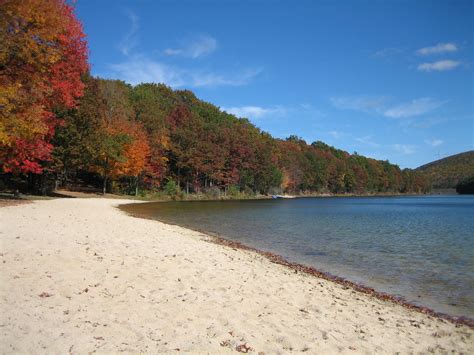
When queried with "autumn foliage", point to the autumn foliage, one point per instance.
{"points": [[42, 57], [57, 118], [136, 152]]}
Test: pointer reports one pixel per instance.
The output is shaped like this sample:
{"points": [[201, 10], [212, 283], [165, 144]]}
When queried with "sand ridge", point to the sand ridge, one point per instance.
{"points": [[79, 275]]}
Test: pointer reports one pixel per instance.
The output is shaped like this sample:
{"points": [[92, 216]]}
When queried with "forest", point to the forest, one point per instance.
{"points": [[450, 171], [62, 127]]}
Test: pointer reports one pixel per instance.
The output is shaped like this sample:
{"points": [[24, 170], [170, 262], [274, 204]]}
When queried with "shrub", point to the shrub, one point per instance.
{"points": [[213, 192], [171, 188], [233, 190]]}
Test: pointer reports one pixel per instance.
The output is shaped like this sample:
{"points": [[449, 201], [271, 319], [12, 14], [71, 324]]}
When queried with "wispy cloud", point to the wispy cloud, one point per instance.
{"points": [[434, 142], [255, 112], [441, 65], [361, 103], [141, 69], [130, 40], [398, 147], [438, 49], [194, 47], [433, 121], [276, 111], [380, 105], [170, 51], [203, 78], [337, 134], [415, 107], [306, 106], [367, 140], [306, 109], [403, 148]]}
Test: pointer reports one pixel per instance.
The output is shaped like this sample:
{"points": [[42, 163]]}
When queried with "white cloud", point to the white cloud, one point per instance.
{"points": [[438, 49], [306, 109], [336, 134], [170, 51], [367, 140], [362, 103], [441, 65], [430, 122], [194, 47], [254, 112], [200, 78], [130, 40], [416, 107], [379, 105], [403, 148], [434, 142], [140, 69]]}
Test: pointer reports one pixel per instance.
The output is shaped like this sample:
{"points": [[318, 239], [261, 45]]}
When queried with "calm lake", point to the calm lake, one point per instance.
{"points": [[417, 247]]}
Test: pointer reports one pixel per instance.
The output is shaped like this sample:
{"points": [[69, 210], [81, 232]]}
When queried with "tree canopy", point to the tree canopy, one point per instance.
{"points": [[449, 171], [42, 57], [57, 118]]}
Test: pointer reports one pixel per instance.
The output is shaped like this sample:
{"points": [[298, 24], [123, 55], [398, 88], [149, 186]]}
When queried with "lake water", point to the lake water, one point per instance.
{"points": [[417, 247]]}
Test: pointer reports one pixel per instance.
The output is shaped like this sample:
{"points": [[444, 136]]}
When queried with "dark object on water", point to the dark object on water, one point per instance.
{"points": [[466, 187]]}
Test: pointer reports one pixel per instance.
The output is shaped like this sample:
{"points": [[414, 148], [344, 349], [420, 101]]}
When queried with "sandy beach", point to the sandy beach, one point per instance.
{"points": [[79, 276]]}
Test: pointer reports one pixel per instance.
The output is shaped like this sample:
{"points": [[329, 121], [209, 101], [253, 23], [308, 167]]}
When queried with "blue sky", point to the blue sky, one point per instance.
{"points": [[388, 79]]}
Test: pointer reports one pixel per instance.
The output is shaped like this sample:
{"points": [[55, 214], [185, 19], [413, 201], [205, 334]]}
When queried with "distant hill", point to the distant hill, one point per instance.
{"points": [[449, 171]]}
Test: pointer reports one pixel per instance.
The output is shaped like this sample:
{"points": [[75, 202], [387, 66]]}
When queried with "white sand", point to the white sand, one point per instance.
{"points": [[111, 282]]}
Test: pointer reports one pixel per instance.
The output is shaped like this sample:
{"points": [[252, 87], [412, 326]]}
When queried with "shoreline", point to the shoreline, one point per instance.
{"points": [[359, 287], [80, 275], [5, 196], [313, 271]]}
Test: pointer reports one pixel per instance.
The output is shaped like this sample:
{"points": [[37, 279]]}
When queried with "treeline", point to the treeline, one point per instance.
{"points": [[450, 171], [147, 136], [62, 125], [322, 168]]}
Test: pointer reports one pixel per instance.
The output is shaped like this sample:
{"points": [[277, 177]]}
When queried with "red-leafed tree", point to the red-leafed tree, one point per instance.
{"points": [[42, 57]]}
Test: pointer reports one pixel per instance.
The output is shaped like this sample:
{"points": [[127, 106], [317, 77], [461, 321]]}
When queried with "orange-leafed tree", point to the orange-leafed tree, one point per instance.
{"points": [[123, 149], [43, 54], [136, 153]]}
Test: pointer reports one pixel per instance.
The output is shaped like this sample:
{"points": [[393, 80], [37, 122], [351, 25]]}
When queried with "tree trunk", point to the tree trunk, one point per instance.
{"points": [[136, 186], [179, 178], [30, 183], [104, 187], [43, 182]]}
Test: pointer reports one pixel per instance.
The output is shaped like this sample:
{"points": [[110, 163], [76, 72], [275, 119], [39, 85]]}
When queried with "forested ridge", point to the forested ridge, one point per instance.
{"points": [[450, 171], [60, 124]]}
